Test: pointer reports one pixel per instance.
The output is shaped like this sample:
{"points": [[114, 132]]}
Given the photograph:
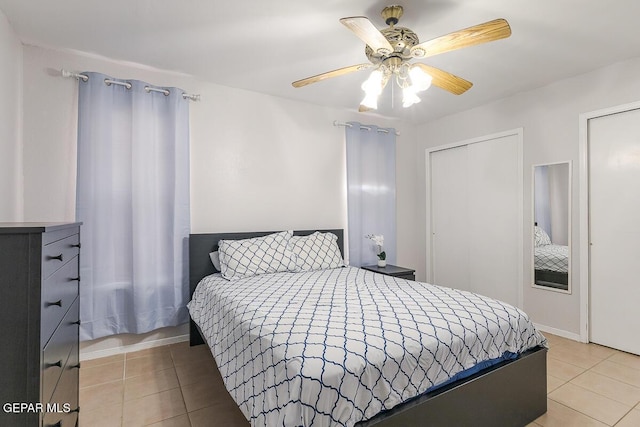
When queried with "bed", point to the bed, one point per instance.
{"points": [[248, 344]]}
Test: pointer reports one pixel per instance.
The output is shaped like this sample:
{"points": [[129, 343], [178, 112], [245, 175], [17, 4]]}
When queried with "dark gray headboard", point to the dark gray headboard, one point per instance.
{"points": [[200, 266]]}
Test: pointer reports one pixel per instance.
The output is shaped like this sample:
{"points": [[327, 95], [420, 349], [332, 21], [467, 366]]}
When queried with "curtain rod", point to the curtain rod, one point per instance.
{"points": [[337, 123], [108, 82]]}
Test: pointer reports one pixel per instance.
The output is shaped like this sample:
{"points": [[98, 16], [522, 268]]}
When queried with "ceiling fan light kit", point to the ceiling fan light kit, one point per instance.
{"points": [[389, 51], [420, 81], [372, 88]]}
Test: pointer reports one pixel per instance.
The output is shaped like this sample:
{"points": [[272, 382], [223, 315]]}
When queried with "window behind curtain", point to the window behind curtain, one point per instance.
{"points": [[133, 200], [371, 192]]}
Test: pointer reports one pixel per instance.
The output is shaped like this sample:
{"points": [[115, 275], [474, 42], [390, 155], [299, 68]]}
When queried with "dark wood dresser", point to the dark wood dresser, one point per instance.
{"points": [[39, 305]]}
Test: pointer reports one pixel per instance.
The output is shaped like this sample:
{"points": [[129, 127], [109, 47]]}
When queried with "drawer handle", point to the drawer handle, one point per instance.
{"points": [[77, 322], [58, 364], [77, 366], [77, 245], [58, 257], [74, 279], [76, 410], [58, 303]]}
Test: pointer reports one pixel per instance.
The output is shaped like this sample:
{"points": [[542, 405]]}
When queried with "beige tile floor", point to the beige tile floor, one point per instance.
{"points": [[178, 385], [170, 386]]}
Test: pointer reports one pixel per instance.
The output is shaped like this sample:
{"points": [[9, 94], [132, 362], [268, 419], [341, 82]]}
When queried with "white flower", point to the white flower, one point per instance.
{"points": [[378, 239]]}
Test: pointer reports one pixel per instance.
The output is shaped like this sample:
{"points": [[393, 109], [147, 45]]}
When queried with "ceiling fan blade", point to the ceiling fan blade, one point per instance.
{"points": [[368, 33], [447, 81], [478, 34], [329, 74]]}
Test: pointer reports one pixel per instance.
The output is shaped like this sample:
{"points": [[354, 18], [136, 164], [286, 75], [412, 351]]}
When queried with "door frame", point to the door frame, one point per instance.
{"points": [[583, 208], [518, 132]]}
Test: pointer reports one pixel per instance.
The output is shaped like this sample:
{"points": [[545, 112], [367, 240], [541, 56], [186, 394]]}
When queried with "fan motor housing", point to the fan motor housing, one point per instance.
{"points": [[402, 39]]}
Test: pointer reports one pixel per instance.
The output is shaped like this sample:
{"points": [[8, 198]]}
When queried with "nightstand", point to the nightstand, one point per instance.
{"points": [[392, 270]]}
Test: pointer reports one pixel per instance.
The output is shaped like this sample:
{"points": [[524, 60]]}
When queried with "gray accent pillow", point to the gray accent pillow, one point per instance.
{"points": [[215, 259]]}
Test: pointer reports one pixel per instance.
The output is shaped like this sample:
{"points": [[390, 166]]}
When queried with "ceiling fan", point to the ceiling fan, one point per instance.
{"points": [[391, 49]]}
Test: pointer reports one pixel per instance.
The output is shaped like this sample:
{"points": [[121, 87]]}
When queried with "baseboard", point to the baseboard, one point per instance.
{"points": [[88, 355], [559, 332]]}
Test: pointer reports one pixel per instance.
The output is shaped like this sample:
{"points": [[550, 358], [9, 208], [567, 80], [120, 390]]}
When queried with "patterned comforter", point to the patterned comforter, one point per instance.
{"points": [[337, 346], [552, 257]]}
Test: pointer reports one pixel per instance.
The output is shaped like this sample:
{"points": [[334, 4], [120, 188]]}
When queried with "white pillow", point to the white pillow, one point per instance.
{"points": [[317, 251], [215, 259], [259, 255], [541, 238]]}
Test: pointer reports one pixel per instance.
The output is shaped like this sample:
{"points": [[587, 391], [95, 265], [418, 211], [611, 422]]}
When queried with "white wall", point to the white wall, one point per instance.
{"points": [[549, 116], [257, 162], [10, 123]]}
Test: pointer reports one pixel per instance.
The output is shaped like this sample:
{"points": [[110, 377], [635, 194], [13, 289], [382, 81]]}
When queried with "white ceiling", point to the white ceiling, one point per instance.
{"points": [[263, 46]]}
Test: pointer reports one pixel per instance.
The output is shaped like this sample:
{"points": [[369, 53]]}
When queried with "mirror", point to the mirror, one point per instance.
{"points": [[552, 226]]}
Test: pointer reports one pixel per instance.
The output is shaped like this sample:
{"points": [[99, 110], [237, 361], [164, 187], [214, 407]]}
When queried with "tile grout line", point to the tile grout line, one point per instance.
{"points": [[180, 386], [577, 385], [617, 379], [625, 414], [600, 394], [591, 391], [622, 364], [124, 384], [579, 412], [578, 366], [595, 392]]}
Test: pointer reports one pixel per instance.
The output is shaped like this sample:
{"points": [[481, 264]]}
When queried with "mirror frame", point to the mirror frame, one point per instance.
{"points": [[569, 227]]}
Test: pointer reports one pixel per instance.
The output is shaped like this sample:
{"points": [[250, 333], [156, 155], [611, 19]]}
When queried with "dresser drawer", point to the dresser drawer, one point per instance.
{"points": [[62, 409], [57, 253], [58, 292], [56, 354], [32, 336]]}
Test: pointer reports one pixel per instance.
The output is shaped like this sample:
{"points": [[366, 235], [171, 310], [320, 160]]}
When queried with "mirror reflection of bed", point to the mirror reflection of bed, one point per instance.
{"points": [[551, 262], [551, 252]]}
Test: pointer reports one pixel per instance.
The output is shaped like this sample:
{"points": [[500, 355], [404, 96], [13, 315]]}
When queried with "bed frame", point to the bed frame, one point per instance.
{"points": [[511, 393], [552, 279]]}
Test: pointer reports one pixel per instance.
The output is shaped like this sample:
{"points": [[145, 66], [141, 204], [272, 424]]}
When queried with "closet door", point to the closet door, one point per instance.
{"points": [[449, 215], [614, 212], [475, 206], [494, 218]]}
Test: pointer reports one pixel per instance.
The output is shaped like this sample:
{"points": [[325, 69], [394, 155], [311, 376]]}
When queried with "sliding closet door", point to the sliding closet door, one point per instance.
{"points": [[449, 213], [494, 218], [614, 212], [476, 217]]}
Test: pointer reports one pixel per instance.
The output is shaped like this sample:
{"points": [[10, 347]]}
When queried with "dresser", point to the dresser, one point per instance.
{"points": [[39, 305]]}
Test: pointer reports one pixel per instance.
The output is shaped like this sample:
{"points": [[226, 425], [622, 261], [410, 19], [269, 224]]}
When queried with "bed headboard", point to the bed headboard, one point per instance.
{"points": [[200, 266]]}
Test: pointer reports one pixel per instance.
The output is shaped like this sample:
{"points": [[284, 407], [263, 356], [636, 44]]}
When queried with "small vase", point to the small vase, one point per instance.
{"points": [[382, 263]]}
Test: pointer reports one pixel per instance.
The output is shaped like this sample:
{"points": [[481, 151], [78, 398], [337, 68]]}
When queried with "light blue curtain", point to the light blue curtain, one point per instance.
{"points": [[371, 193], [541, 198], [133, 198]]}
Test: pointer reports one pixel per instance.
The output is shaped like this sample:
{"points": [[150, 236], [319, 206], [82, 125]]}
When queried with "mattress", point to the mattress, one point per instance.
{"points": [[337, 346], [552, 258]]}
